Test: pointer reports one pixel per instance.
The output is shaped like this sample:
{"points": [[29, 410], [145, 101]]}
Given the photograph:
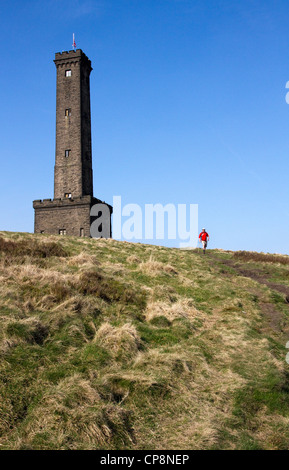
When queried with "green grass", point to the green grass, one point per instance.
{"points": [[111, 345]]}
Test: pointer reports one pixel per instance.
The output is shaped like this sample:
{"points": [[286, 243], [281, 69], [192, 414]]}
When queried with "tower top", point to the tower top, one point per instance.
{"points": [[73, 51], [66, 56]]}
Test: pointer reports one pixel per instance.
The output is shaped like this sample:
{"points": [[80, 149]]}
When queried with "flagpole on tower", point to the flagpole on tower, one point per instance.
{"points": [[73, 42]]}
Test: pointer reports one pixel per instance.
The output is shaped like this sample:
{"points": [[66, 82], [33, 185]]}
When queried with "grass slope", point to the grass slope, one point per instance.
{"points": [[113, 345]]}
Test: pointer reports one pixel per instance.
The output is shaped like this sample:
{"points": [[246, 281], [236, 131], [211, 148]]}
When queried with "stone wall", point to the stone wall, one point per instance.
{"points": [[71, 215], [51, 216]]}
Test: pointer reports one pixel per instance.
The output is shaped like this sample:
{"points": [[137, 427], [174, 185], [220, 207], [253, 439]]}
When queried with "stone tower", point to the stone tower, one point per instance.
{"points": [[69, 212]]}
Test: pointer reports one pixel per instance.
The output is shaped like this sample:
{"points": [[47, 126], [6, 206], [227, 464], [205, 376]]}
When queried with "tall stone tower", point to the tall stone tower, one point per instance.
{"points": [[69, 212]]}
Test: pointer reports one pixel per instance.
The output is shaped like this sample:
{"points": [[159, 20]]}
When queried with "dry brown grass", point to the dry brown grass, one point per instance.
{"points": [[133, 259], [154, 268], [35, 274], [94, 354], [25, 248], [261, 257], [183, 308], [122, 342], [84, 260], [73, 413]]}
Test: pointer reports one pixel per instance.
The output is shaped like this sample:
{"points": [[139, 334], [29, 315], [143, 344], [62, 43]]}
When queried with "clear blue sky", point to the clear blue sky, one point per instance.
{"points": [[188, 106]]}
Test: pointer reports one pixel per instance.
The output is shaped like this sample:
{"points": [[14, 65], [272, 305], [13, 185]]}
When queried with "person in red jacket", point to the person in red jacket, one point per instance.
{"points": [[204, 238]]}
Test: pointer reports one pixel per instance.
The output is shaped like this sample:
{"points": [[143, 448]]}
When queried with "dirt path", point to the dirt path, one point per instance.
{"points": [[257, 277], [274, 319]]}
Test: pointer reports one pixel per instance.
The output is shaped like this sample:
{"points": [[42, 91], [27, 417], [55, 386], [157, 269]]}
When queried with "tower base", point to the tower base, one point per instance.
{"points": [[65, 216]]}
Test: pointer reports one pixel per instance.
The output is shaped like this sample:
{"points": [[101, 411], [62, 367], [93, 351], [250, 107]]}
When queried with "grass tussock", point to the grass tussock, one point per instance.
{"points": [[72, 415], [114, 345], [183, 308], [154, 267], [121, 342], [84, 260], [133, 259]]}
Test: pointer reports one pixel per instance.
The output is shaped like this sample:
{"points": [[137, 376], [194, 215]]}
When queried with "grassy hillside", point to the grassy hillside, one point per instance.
{"points": [[112, 345]]}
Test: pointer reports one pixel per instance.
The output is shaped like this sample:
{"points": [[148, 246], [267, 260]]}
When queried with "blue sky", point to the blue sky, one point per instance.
{"points": [[188, 106]]}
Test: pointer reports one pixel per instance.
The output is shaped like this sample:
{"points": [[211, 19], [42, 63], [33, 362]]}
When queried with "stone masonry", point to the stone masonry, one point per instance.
{"points": [[69, 212]]}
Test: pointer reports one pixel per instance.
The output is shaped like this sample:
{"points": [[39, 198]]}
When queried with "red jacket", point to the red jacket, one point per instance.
{"points": [[204, 236]]}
